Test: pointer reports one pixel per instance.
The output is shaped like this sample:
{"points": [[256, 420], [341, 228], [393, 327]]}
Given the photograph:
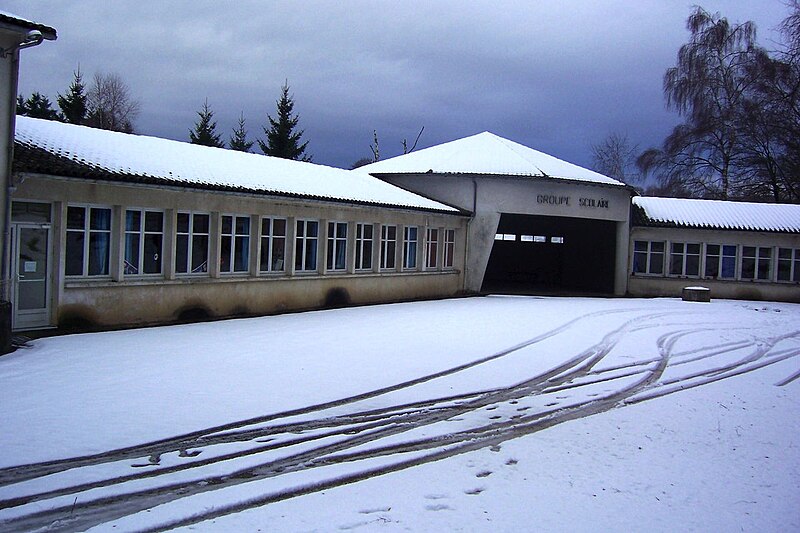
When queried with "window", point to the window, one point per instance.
{"points": [[648, 257], [388, 246], [557, 240], [505, 237], [144, 235], [756, 262], [431, 248], [684, 259], [234, 255], [410, 247], [364, 246], [788, 264], [305, 248], [191, 243], [337, 246], [449, 248], [720, 261], [273, 244], [88, 241]]}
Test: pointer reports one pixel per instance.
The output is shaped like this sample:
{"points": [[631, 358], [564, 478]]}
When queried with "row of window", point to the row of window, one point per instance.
{"points": [[716, 261], [89, 233], [527, 238]]}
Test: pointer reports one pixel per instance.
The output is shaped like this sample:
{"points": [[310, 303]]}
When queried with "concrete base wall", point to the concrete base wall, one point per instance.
{"points": [[736, 290]]}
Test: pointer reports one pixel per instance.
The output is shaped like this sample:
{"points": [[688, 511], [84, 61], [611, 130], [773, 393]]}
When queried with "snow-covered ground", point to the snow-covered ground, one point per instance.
{"points": [[479, 414]]}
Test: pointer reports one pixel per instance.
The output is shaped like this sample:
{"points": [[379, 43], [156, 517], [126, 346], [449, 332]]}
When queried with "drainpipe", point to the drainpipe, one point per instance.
{"points": [[32, 38]]}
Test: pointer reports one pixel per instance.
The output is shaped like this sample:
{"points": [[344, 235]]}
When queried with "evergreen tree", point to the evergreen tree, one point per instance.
{"points": [[282, 139], [204, 132], [73, 104], [238, 140], [37, 106]]}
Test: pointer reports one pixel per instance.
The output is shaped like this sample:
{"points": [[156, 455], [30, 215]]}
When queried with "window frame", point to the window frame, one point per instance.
{"points": [[388, 261], [683, 257], [239, 242], [758, 263], [336, 249], [87, 233], [191, 234], [719, 259], [302, 248], [449, 251], [432, 248], [268, 245], [649, 255], [410, 247], [364, 246], [142, 234], [794, 265]]}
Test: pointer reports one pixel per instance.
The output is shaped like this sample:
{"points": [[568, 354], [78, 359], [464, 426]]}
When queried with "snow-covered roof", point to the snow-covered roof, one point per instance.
{"points": [[10, 19], [716, 214], [485, 153], [50, 147]]}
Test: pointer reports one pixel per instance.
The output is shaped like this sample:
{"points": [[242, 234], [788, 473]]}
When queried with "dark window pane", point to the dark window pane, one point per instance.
{"points": [[279, 227], [199, 253], [200, 224], [76, 218], [313, 229], [241, 254], [154, 222], [225, 254], [182, 254], [74, 260], [183, 222], [100, 219], [133, 220], [728, 267], [278, 253], [265, 226], [98, 253], [227, 224], [152, 254], [131, 253]]}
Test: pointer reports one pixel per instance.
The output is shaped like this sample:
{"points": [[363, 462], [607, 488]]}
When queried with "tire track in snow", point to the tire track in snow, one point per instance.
{"points": [[372, 425]]}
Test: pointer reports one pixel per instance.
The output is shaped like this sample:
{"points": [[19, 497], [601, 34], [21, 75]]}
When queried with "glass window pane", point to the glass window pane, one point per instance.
{"points": [[76, 218], [280, 227], [200, 224], [154, 221], [152, 253], [278, 253], [131, 253], [227, 224], [74, 259], [133, 220], [182, 254], [98, 253], [183, 222], [199, 253], [100, 219], [265, 226]]}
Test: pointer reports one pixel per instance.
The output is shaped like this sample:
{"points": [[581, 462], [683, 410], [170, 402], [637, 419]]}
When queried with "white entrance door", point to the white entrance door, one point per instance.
{"points": [[30, 275]]}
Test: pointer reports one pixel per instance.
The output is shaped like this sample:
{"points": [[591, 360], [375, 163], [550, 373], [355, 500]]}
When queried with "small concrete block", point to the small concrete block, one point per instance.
{"points": [[696, 294]]}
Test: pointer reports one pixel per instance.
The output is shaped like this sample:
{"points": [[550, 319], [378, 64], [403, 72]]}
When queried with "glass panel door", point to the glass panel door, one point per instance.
{"points": [[32, 292]]}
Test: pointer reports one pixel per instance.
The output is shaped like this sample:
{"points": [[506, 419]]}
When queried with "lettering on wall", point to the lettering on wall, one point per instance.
{"points": [[594, 203], [590, 203], [552, 199]]}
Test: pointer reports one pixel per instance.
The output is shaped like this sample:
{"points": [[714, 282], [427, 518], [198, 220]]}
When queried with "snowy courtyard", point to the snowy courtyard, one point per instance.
{"points": [[491, 413]]}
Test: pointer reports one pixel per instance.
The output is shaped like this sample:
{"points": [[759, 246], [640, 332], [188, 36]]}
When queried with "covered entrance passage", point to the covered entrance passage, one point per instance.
{"points": [[546, 254]]}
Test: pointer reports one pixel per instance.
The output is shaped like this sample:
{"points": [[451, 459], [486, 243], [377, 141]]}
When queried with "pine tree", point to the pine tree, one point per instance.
{"points": [[73, 104], [238, 140], [37, 106], [204, 130], [282, 139]]}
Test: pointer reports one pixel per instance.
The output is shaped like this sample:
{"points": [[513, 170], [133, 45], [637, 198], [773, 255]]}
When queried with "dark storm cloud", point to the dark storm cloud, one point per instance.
{"points": [[556, 76]]}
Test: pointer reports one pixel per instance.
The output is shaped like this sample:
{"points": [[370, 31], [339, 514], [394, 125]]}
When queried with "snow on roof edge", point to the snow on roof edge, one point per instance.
{"points": [[136, 158], [720, 214]]}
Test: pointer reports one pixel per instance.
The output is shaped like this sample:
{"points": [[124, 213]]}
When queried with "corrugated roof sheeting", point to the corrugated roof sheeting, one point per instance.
{"points": [[77, 151], [718, 214]]}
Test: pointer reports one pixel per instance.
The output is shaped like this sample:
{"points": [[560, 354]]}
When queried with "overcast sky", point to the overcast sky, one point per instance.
{"points": [[554, 75]]}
